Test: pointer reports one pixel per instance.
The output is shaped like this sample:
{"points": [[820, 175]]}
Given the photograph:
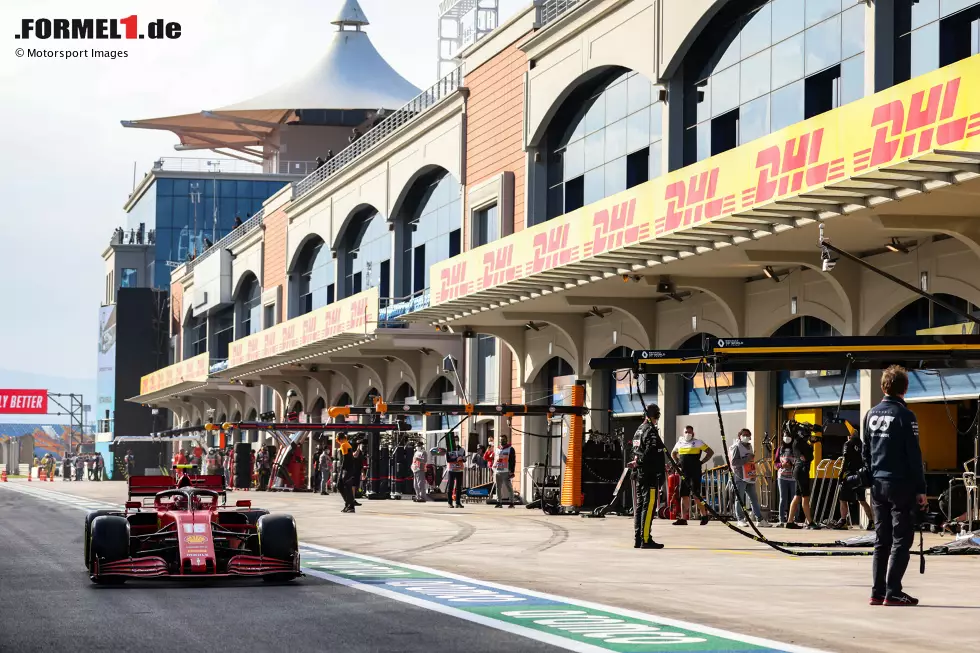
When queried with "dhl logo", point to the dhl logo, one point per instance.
{"points": [[498, 266], [928, 118], [453, 282], [268, 343], [357, 313], [615, 228], [253, 348], [785, 169], [690, 202], [309, 329], [288, 335], [551, 249]]}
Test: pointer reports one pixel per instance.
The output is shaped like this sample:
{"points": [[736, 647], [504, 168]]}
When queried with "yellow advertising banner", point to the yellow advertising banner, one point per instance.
{"points": [[193, 370], [936, 111], [357, 314]]}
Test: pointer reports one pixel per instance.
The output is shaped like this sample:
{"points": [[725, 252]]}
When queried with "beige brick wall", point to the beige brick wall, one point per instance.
{"points": [[274, 256], [494, 140]]}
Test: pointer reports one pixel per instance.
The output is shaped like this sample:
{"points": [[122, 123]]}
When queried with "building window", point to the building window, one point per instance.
{"points": [[197, 336], [269, 320], [486, 368], [224, 333], [127, 278], [486, 225], [250, 309], [934, 33], [432, 233], [781, 63], [316, 278], [611, 143], [367, 254]]}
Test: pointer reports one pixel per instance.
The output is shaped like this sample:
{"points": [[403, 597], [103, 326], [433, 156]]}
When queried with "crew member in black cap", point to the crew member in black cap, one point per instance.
{"points": [[649, 457]]}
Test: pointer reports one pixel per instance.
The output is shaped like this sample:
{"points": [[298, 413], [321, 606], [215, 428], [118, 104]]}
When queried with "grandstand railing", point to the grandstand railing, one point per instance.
{"points": [[552, 10], [224, 243]]}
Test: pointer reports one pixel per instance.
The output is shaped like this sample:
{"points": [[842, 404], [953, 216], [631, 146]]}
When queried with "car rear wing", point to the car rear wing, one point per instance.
{"points": [[148, 486]]}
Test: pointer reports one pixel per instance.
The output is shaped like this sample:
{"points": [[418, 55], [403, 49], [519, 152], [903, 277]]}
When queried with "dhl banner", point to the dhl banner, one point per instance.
{"points": [[191, 370], [357, 314], [936, 111]]}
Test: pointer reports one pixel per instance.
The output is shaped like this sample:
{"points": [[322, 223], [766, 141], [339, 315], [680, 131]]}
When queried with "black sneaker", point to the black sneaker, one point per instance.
{"points": [[871, 526], [459, 505], [652, 545], [876, 600], [705, 520], [680, 522], [511, 505], [451, 505], [813, 527], [793, 526], [499, 505], [901, 599], [637, 545]]}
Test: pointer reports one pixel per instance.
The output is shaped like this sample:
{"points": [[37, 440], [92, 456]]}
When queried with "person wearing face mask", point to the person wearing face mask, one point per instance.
{"points": [[743, 474], [785, 461], [691, 454]]}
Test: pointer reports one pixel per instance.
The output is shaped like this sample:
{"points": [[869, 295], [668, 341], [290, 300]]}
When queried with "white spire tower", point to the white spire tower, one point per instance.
{"points": [[352, 15]]}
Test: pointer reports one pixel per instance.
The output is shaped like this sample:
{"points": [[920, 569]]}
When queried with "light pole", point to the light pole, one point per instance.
{"points": [[195, 200]]}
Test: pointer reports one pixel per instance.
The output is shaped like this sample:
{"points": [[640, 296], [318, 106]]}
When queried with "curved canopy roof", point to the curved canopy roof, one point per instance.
{"points": [[351, 75]]}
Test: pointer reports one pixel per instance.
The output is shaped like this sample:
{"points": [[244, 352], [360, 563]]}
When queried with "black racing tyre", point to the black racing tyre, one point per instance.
{"points": [[87, 540], [110, 542], [277, 537]]}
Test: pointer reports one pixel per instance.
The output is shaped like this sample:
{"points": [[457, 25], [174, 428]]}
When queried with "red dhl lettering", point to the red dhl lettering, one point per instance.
{"points": [[452, 282], [784, 169], [309, 329], [497, 266], [688, 203], [615, 229], [551, 249], [269, 342], [929, 118]]}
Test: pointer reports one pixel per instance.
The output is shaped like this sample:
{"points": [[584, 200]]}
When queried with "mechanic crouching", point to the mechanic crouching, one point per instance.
{"points": [[893, 465], [649, 458]]}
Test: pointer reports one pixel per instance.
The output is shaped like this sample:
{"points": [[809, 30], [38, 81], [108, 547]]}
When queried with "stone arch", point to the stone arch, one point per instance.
{"points": [[597, 348], [244, 277], [405, 188], [404, 390], [369, 394], [836, 327], [700, 22], [812, 310], [340, 232], [343, 399], [569, 346], [537, 130], [432, 383], [301, 248], [910, 298]]}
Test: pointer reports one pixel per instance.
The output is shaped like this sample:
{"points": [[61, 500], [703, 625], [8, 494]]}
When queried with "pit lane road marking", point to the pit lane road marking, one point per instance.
{"points": [[569, 624]]}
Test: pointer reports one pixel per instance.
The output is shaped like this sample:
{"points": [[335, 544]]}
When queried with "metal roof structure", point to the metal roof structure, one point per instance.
{"points": [[350, 75]]}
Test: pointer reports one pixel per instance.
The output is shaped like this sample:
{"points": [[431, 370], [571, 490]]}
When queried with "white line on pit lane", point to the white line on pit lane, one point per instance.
{"points": [[561, 642]]}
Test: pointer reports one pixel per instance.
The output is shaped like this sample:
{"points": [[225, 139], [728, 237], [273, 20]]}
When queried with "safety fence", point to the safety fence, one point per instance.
{"points": [[552, 10], [445, 87]]}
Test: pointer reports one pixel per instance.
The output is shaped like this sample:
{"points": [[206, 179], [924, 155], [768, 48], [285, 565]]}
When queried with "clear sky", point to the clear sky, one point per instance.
{"points": [[67, 165]]}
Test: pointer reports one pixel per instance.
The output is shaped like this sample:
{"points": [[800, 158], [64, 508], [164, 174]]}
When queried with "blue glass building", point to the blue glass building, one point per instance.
{"points": [[183, 208]]}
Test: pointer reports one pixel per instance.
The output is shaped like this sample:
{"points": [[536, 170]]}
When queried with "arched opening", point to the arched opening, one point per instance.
{"points": [[405, 394], [313, 278], [699, 394], [343, 400], [606, 137], [813, 395], [316, 415], [427, 230], [442, 391], [364, 254], [762, 65], [552, 385], [251, 436], [195, 335], [248, 307], [944, 401]]}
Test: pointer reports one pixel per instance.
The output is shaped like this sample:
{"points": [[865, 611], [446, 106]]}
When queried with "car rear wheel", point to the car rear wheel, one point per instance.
{"points": [[110, 542], [87, 541], [278, 539]]}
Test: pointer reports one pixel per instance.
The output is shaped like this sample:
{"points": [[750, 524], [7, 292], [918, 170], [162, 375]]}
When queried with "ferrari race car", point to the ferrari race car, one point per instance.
{"points": [[184, 529]]}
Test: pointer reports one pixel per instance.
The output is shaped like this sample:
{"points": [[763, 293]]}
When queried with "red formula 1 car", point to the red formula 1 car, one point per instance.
{"points": [[184, 529]]}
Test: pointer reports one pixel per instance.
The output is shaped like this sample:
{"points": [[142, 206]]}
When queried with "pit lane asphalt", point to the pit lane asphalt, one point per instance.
{"points": [[48, 603]]}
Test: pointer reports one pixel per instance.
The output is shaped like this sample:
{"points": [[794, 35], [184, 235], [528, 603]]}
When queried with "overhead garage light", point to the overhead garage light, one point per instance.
{"points": [[896, 246]]}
